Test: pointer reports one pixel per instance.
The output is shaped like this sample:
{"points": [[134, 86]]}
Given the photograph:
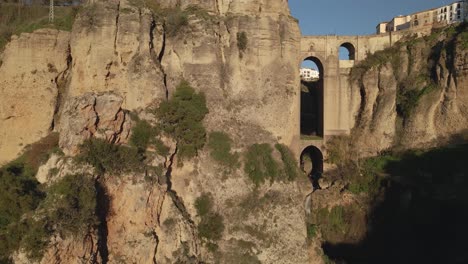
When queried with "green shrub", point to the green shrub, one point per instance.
{"points": [[142, 134], [107, 157], [290, 169], [74, 201], [406, 102], [219, 144], [463, 38], [211, 226], [21, 194], [162, 149], [242, 41], [68, 209], [311, 231], [182, 116], [203, 204], [377, 59], [260, 165], [35, 238]]}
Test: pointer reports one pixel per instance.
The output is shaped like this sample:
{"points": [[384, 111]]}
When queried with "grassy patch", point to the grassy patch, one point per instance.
{"points": [[15, 19], [311, 231], [240, 251], [203, 204], [181, 117], [410, 91], [332, 222], [290, 169], [219, 144], [260, 165], [376, 59]]}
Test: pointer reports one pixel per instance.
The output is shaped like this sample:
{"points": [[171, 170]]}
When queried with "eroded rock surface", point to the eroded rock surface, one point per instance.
{"points": [[417, 98], [32, 66]]}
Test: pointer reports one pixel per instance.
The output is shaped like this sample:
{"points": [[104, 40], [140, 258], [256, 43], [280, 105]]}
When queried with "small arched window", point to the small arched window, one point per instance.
{"points": [[347, 51]]}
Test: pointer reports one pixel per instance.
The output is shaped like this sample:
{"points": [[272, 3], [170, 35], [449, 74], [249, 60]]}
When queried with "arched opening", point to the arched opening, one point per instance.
{"points": [[347, 51], [312, 98], [312, 164]]}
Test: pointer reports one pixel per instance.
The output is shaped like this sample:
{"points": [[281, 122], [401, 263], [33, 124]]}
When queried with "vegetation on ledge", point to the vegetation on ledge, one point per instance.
{"points": [[30, 212], [219, 144], [211, 226], [414, 83], [419, 190], [16, 19]]}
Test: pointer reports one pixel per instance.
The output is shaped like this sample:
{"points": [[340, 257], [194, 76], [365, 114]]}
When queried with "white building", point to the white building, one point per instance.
{"points": [[452, 13], [308, 74], [448, 14]]}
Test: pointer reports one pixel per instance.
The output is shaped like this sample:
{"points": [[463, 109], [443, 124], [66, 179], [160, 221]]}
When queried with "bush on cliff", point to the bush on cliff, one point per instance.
{"points": [[69, 210], [219, 144], [181, 117], [21, 193], [142, 134], [211, 226], [111, 158], [242, 41], [260, 164], [29, 213], [74, 201]]}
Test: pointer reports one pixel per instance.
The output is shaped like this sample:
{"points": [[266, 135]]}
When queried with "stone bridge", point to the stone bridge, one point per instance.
{"points": [[326, 104]]}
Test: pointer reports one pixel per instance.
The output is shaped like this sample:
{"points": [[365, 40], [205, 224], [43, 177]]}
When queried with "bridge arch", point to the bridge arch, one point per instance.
{"points": [[311, 160], [347, 51], [312, 98]]}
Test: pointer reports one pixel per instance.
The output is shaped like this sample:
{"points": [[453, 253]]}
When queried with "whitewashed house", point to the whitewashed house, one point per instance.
{"points": [[308, 74]]}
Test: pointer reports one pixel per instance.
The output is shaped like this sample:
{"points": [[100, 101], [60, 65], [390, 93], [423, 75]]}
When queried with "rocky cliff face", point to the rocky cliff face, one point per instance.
{"points": [[121, 57], [412, 95], [31, 70]]}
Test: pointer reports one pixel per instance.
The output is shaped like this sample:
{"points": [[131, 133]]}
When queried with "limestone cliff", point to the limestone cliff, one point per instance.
{"points": [[123, 56], [413, 94], [32, 68]]}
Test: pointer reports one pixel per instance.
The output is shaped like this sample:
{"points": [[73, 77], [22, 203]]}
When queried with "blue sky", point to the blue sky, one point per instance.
{"points": [[352, 17]]}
